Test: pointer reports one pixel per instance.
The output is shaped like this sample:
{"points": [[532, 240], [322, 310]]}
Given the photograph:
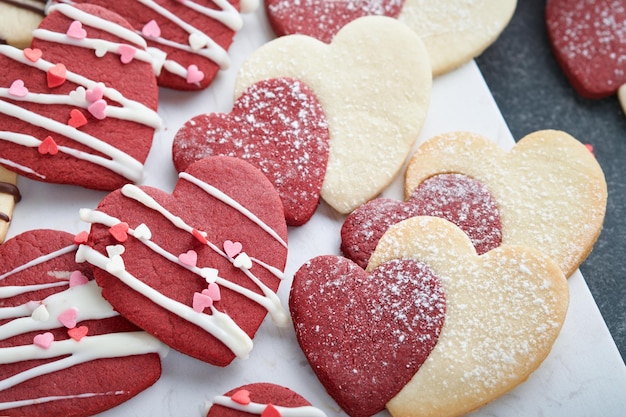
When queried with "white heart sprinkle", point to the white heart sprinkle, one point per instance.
{"points": [[243, 261], [114, 250], [198, 41], [40, 314], [143, 232], [78, 95], [209, 274]]}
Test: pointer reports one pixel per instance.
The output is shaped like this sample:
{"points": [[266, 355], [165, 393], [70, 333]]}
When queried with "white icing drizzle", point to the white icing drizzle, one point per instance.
{"points": [[89, 348], [258, 408], [269, 300], [12, 291], [40, 260], [214, 192], [86, 299], [22, 403], [20, 167], [217, 324]]}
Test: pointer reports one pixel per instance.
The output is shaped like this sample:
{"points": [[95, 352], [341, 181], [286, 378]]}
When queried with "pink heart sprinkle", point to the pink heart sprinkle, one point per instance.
{"points": [[43, 340], [232, 248], [77, 278], [68, 318], [127, 53], [241, 397], [98, 109], [189, 258], [94, 94], [213, 291], [194, 75], [201, 301], [33, 54], [151, 29], [17, 89], [76, 30]]}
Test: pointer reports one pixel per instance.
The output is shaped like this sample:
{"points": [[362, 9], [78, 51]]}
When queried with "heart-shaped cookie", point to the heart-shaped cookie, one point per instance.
{"points": [[42, 88], [188, 40], [384, 325], [63, 349], [157, 256], [549, 189], [456, 198], [589, 42], [454, 31], [278, 126], [263, 399], [373, 82], [504, 310]]}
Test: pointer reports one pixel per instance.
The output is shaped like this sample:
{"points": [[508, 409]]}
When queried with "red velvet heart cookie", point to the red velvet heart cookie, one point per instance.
{"points": [[589, 42], [187, 40], [457, 198], [278, 126], [197, 268], [63, 349], [384, 325], [263, 399], [70, 116]]}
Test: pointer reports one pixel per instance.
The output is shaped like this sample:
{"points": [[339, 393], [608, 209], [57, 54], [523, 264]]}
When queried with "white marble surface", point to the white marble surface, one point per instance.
{"points": [[583, 376]]}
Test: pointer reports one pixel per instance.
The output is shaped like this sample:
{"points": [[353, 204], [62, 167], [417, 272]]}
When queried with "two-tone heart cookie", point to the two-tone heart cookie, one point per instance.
{"points": [[72, 111], [373, 82], [198, 268], [548, 192], [63, 349], [278, 126], [454, 31], [504, 310]]}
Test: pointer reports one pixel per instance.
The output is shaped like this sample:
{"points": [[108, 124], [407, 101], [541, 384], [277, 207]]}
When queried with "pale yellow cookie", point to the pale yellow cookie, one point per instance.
{"points": [[9, 195], [549, 189], [504, 310], [18, 19], [455, 31], [373, 82]]}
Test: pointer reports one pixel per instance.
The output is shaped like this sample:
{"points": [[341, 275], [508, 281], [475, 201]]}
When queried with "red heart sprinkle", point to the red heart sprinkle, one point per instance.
{"points": [[77, 119], [33, 54], [120, 231], [43, 340], [56, 75], [200, 236], [241, 397], [48, 146], [81, 237], [78, 333], [270, 411]]}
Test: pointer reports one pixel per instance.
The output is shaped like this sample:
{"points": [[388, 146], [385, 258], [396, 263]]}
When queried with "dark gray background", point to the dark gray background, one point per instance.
{"points": [[533, 94]]}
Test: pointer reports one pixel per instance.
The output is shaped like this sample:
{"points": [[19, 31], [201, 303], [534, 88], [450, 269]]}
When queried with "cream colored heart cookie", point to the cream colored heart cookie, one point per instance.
{"points": [[9, 196], [549, 189], [455, 31], [504, 310], [373, 82]]}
